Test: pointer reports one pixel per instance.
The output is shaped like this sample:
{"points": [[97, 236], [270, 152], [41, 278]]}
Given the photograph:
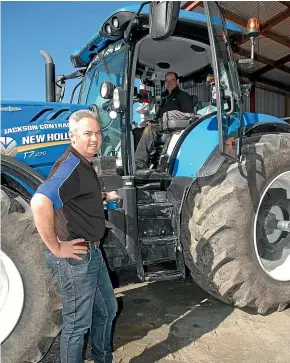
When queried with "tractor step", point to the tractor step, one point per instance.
{"points": [[153, 210], [148, 196], [159, 252], [162, 275], [158, 249], [169, 240]]}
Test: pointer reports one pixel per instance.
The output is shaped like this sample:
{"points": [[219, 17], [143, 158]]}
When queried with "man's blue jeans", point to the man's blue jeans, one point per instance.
{"points": [[88, 302]]}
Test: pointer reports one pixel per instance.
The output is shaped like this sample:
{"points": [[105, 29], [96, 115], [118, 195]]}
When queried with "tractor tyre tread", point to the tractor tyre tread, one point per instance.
{"points": [[218, 223], [40, 320]]}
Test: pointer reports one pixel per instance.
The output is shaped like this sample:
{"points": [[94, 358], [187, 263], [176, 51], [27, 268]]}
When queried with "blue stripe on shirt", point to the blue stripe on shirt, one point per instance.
{"points": [[50, 188]]}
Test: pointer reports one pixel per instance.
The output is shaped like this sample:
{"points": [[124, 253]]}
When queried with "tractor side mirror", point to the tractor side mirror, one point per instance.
{"points": [[163, 18]]}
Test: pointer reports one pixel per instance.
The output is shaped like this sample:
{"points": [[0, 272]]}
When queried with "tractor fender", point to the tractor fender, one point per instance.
{"points": [[19, 176], [194, 153], [265, 128], [216, 160]]}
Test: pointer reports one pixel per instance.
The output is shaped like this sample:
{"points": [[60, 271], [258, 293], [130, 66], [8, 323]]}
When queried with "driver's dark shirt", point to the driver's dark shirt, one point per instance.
{"points": [[178, 100]]}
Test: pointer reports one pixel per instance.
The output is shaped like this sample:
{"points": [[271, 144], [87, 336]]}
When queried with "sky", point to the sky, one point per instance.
{"points": [[58, 27]]}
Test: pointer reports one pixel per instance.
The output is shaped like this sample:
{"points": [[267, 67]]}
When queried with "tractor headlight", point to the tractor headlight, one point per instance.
{"points": [[108, 29], [106, 90], [115, 22], [119, 100]]}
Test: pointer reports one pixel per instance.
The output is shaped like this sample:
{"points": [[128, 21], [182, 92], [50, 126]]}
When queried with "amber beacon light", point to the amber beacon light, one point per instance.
{"points": [[253, 31], [253, 27]]}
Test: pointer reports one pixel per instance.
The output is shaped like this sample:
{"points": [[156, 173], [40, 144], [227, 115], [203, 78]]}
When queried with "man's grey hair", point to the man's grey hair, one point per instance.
{"points": [[76, 116]]}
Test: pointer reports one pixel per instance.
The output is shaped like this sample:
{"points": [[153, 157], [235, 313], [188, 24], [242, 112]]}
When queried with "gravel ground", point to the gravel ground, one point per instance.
{"points": [[175, 321]]}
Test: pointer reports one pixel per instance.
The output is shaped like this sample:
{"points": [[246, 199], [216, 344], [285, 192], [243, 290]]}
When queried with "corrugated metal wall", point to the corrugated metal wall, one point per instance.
{"points": [[270, 103], [201, 90], [246, 104], [266, 101]]}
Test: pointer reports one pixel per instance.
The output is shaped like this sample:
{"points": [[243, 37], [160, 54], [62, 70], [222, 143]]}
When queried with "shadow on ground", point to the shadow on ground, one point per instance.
{"points": [[161, 318], [186, 310]]}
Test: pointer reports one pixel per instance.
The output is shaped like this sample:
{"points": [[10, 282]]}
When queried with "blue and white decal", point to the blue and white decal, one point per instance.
{"points": [[37, 134]]}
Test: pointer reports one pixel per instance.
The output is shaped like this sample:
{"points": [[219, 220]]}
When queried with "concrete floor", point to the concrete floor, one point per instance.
{"points": [[175, 321]]}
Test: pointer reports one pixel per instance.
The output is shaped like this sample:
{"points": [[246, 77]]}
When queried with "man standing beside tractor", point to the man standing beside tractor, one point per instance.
{"points": [[69, 216]]}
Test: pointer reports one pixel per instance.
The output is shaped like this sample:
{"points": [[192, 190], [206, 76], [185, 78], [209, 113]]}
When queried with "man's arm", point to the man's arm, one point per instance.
{"points": [[43, 214]]}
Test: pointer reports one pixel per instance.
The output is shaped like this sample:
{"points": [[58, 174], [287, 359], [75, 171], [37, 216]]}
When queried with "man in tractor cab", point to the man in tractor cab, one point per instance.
{"points": [[173, 99]]}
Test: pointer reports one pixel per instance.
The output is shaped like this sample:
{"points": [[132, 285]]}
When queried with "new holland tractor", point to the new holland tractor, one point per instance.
{"points": [[213, 202]]}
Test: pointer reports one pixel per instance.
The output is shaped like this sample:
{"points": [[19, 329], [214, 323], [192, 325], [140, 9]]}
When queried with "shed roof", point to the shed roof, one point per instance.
{"points": [[272, 50]]}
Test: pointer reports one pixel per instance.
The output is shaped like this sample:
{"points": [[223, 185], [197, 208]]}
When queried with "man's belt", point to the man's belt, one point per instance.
{"points": [[89, 244]]}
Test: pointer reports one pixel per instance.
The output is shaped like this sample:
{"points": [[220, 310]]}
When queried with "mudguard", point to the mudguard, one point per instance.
{"points": [[195, 152], [19, 176]]}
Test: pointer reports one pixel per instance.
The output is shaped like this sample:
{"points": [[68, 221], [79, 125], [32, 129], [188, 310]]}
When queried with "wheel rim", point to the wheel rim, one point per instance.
{"points": [[11, 296], [272, 228]]}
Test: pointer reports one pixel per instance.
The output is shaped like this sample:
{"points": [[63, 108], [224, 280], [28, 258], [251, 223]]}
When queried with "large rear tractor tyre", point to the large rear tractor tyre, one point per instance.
{"points": [[30, 308], [236, 227]]}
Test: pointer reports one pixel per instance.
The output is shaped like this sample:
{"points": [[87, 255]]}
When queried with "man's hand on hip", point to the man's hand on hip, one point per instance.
{"points": [[70, 249]]}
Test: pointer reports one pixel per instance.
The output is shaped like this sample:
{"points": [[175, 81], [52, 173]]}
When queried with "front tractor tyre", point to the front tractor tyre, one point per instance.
{"points": [[29, 302], [236, 227]]}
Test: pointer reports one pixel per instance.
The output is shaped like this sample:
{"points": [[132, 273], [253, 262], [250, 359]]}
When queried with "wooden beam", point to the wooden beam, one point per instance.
{"points": [[261, 71], [285, 3], [242, 22], [267, 87], [275, 84], [282, 61], [271, 23], [276, 64], [275, 20], [270, 64], [277, 38], [190, 5], [233, 17], [265, 60]]}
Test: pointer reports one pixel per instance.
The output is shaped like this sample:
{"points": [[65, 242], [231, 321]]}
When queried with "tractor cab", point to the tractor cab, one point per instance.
{"points": [[124, 81], [126, 66]]}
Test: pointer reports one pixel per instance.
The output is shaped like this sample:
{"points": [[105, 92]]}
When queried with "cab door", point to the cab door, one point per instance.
{"points": [[228, 93]]}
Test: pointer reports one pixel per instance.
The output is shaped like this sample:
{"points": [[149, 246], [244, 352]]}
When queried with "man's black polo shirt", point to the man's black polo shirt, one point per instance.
{"points": [[75, 191]]}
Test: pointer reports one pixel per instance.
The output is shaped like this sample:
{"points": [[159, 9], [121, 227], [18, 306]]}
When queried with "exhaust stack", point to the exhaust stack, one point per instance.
{"points": [[49, 76]]}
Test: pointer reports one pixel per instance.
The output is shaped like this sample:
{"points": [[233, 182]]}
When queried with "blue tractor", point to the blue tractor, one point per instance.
{"points": [[214, 201]]}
